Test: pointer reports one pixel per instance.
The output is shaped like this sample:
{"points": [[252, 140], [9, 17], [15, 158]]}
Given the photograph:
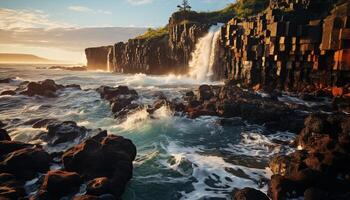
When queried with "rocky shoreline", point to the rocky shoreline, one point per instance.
{"points": [[103, 163]]}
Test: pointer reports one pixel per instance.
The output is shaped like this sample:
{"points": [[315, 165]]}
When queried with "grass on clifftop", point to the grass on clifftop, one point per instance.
{"points": [[154, 33], [242, 8], [222, 16], [246, 8]]}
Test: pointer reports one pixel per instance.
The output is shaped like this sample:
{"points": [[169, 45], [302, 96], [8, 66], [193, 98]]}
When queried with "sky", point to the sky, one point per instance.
{"points": [[62, 29]]}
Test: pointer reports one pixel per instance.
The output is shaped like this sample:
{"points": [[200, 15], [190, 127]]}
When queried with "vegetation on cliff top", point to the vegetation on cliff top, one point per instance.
{"points": [[154, 33], [246, 8], [242, 8]]}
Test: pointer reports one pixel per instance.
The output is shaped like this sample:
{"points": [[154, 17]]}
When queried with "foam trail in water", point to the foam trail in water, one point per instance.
{"points": [[212, 173], [204, 55]]}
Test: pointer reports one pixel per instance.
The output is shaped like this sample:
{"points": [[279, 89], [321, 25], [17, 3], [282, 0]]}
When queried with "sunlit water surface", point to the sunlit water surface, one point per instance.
{"points": [[178, 158]]}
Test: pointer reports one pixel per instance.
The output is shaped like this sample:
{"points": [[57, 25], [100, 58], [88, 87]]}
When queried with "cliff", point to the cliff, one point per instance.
{"points": [[164, 53], [161, 51], [284, 44], [290, 45], [97, 57]]}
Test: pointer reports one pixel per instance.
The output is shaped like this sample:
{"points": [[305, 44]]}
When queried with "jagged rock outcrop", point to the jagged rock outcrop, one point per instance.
{"points": [[319, 170], [289, 46], [231, 101], [97, 57], [104, 161]]}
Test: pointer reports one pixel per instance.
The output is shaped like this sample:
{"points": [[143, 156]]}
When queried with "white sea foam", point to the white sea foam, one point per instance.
{"points": [[215, 171], [258, 145]]}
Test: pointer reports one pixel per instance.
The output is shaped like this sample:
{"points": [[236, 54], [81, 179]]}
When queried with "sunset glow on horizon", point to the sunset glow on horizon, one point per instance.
{"points": [[62, 31]]}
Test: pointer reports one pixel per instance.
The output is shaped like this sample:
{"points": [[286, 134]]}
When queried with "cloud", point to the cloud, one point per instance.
{"points": [[63, 43], [27, 18], [88, 10], [80, 9], [72, 39], [139, 2]]}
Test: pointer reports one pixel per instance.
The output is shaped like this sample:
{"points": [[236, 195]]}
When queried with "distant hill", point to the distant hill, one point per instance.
{"points": [[23, 58]]}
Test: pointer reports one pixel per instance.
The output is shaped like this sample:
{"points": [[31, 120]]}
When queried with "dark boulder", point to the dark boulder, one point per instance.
{"points": [[6, 80], [205, 93], [10, 146], [320, 170], [8, 92], [64, 132], [249, 194], [26, 163], [189, 96], [58, 184], [10, 187], [158, 104], [46, 88], [121, 99], [110, 157], [232, 101], [2, 124], [74, 86], [43, 123], [283, 188], [120, 92], [4, 135]]}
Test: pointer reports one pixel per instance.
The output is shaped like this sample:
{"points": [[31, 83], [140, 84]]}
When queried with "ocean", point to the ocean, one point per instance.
{"points": [[177, 157]]}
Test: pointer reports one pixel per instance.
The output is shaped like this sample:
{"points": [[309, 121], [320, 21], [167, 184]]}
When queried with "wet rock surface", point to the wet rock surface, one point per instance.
{"points": [[232, 101], [320, 167], [10, 187], [121, 99], [58, 184], [25, 163], [8, 92], [103, 162], [5, 80], [249, 194], [106, 162], [64, 132], [4, 135], [47, 88]]}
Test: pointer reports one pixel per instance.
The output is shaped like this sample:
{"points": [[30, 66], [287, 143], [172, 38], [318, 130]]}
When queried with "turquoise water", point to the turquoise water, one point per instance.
{"points": [[178, 158]]}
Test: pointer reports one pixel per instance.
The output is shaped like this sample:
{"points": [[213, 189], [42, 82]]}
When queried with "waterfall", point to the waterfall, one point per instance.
{"points": [[108, 61], [201, 64]]}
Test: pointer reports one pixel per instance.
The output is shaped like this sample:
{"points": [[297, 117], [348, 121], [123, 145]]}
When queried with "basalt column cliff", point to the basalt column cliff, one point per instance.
{"points": [[290, 45]]}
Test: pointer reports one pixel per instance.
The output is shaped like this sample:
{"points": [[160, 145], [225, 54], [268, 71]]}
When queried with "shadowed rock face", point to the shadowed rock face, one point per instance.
{"points": [[106, 162], [58, 184], [249, 194], [47, 88], [321, 167], [97, 57], [23, 160], [170, 53], [231, 101]]}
